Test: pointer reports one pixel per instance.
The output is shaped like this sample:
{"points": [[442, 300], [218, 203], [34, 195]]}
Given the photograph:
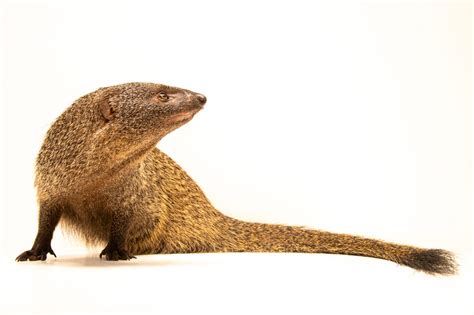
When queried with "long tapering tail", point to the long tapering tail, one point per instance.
{"points": [[260, 237]]}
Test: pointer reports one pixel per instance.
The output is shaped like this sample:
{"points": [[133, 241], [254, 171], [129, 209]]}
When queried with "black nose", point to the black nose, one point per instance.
{"points": [[201, 98]]}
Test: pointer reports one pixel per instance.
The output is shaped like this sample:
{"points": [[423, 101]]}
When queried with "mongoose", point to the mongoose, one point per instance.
{"points": [[99, 173]]}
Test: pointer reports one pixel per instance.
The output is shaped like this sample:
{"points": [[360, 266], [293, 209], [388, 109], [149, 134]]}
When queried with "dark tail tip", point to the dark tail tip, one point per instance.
{"points": [[432, 261]]}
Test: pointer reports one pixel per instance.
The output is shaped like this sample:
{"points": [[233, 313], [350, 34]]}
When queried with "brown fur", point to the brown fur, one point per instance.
{"points": [[101, 174]]}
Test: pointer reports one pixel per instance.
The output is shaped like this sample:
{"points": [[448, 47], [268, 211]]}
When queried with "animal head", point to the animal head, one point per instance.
{"points": [[146, 109]]}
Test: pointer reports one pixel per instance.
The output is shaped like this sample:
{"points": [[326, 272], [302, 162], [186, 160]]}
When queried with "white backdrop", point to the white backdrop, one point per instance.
{"points": [[346, 117]]}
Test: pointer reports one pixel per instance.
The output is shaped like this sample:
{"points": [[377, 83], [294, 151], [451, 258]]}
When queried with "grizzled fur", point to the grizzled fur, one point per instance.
{"points": [[100, 175]]}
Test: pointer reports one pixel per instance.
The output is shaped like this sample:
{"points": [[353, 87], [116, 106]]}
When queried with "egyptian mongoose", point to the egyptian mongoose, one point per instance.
{"points": [[99, 173]]}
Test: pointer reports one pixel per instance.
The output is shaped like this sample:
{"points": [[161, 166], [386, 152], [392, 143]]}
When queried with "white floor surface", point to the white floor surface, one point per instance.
{"points": [[239, 283]]}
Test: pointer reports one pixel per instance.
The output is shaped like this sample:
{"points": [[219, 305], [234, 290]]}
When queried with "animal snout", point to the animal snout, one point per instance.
{"points": [[201, 98]]}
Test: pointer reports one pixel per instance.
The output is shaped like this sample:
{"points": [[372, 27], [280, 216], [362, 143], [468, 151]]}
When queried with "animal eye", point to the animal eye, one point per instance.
{"points": [[163, 96]]}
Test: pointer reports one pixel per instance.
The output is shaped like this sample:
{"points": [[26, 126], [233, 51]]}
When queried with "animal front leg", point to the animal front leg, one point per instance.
{"points": [[49, 216], [115, 249]]}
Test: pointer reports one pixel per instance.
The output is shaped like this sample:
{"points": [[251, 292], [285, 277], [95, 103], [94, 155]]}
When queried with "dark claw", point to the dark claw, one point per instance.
{"points": [[52, 252], [115, 254], [36, 254], [24, 256]]}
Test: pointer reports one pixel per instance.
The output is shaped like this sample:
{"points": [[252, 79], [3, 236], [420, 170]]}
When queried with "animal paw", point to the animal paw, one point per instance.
{"points": [[114, 253], [38, 253]]}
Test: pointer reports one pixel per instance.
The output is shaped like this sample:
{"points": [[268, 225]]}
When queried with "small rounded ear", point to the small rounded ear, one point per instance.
{"points": [[105, 108]]}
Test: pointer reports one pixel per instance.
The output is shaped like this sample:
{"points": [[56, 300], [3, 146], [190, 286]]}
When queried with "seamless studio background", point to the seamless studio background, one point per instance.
{"points": [[348, 117]]}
